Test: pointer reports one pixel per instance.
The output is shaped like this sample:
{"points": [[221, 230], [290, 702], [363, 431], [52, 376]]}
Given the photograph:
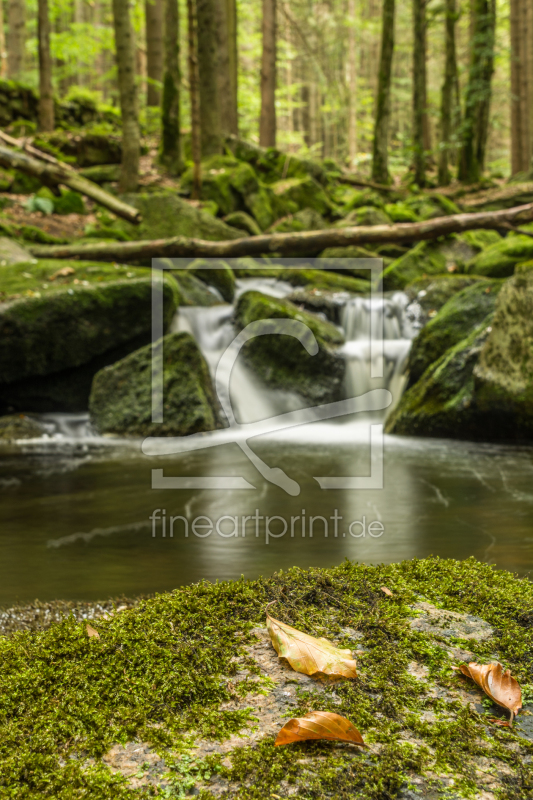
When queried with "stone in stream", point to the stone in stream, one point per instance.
{"points": [[19, 426], [215, 273], [281, 361], [121, 396]]}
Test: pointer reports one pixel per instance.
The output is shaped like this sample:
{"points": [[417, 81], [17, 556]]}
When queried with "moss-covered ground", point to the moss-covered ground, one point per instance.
{"points": [[161, 673]]}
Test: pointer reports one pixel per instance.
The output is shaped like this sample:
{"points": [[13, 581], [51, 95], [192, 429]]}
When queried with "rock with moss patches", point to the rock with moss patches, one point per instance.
{"points": [[121, 396], [86, 148], [244, 222], [193, 291], [101, 173], [401, 212], [365, 215], [326, 302], [12, 253], [500, 259], [463, 311], [305, 220], [216, 273], [431, 293], [19, 426], [281, 360], [303, 193], [69, 202]]}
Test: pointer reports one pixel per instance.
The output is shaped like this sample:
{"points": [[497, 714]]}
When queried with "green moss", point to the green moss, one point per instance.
{"points": [[69, 203], [304, 193], [281, 361], [425, 258], [500, 259], [164, 669], [19, 426], [216, 273], [431, 293], [24, 184], [305, 220], [401, 212], [192, 291], [244, 222], [30, 233], [121, 396]]}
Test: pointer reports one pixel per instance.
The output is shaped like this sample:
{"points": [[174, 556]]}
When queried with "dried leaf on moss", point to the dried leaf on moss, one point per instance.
{"points": [[309, 655], [500, 686], [91, 632], [319, 725], [386, 591]]}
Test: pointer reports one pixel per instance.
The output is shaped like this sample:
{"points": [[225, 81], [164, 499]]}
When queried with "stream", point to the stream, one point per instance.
{"points": [[83, 516]]}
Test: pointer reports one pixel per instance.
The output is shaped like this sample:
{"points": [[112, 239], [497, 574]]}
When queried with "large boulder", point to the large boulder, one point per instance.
{"points": [[299, 193], [430, 293], [500, 259], [463, 311], [57, 316], [86, 148], [281, 360], [215, 273], [19, 426], [121, 396]]}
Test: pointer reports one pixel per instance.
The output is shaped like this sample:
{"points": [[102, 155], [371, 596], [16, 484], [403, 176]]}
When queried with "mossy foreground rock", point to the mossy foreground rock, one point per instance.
{"points": [[215, 273], [121, 397], [19, 426], [499, 260], [281, 360], [184, 694]]}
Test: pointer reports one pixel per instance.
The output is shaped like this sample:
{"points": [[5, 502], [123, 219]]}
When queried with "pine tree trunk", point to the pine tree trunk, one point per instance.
{"points": [[380, 169], [154, 50], [46, 98], [194, 81], [226, 65], [125, 55], [267, 122], [170, 108], [208, 68], [419, 89], [521, 85], [478, 93], [16, 20], [449, 106], [352, 85], [3, 54], [233, 52]]}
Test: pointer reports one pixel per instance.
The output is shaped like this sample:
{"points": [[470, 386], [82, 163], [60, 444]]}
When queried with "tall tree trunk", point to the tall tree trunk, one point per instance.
{"points": [[478, 93], [153, 10], [208, 67], [194, 81], [449, 96], [125, 54], [16, 39], [521, 85], [3, 54], [46, 98], [419, 89], [352, 85], [380, 168], [233, 52], [227, 86], [170, 109], [79, 19], [267, 122]]}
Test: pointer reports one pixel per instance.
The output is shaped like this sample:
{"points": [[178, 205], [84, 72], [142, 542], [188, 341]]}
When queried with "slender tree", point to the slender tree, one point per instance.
{"points": [[449, 108], [478, 93], [352, 85], [125, 55], [46, 98], [419, 90], [227, 62], [267, 122], [3, 54], [16, 38], [194, 81], [154, 11], [208, 67], [380, 168], [521, 85], [170, 109]]}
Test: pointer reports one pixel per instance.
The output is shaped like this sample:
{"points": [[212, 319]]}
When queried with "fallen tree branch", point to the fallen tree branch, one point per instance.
{"points": [[59, 173], [287, 244], [32, 151]]}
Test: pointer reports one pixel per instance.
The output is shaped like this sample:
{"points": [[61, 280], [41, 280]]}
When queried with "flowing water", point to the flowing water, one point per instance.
{"points": [[76, 507]]}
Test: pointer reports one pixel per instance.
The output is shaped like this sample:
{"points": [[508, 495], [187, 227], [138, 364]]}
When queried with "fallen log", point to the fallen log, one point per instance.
{"points": [[288, 244], [32, 151], [59, 173], [509, 193]]}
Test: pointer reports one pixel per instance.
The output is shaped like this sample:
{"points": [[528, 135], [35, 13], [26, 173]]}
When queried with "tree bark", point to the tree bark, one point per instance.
{"points": [[419, 90], [208, 69], [46, 98], [289, 244], [267, 122], [380, 168], [3, 53], [154, 50], [227, 86], [449, 95], [521, 85], [170, 110], [478, 93], [352, 85], [125, 54], [194, 80], [16, 39], [58, 173]]}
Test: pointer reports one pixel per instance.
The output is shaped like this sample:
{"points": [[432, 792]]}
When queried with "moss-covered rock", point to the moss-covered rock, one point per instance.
{"points": [[320, 301], [19, 426], [401, 212], [244, 222], [272, 165], [216, 273], [86, 148], [365, 215], [57, 315], [500, 259], [281, 360], [303, 193], [121, 396], [359, 198], [102, 173], [11, 253], [69, 202], [192, 291], [305, 220], [345, 261], [24, 184], [463, 311], [431, 293]]}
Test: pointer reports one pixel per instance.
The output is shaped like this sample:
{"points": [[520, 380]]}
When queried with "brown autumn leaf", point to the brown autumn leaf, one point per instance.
{"points": [[319, 725], [64, 272], [91, 632], [500, 686], [309, 655], [386, 591]]}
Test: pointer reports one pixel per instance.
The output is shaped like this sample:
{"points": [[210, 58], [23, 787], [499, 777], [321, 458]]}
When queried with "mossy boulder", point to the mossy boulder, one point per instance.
{"points": [[193, 291], [121, 396], [86, 148], [11, 253], [432, 292], [499, 260], [401, 212], [281, 360], [216, 273], [19, 426], [69, 202], [345, 261], [244, 222], [365, 215], [305, 220], [302, 193], [272, 165], [463, 311], [101, 173]]}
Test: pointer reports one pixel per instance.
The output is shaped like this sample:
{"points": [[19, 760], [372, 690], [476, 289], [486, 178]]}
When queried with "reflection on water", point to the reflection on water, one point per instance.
{"points": [[75, 521]]}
